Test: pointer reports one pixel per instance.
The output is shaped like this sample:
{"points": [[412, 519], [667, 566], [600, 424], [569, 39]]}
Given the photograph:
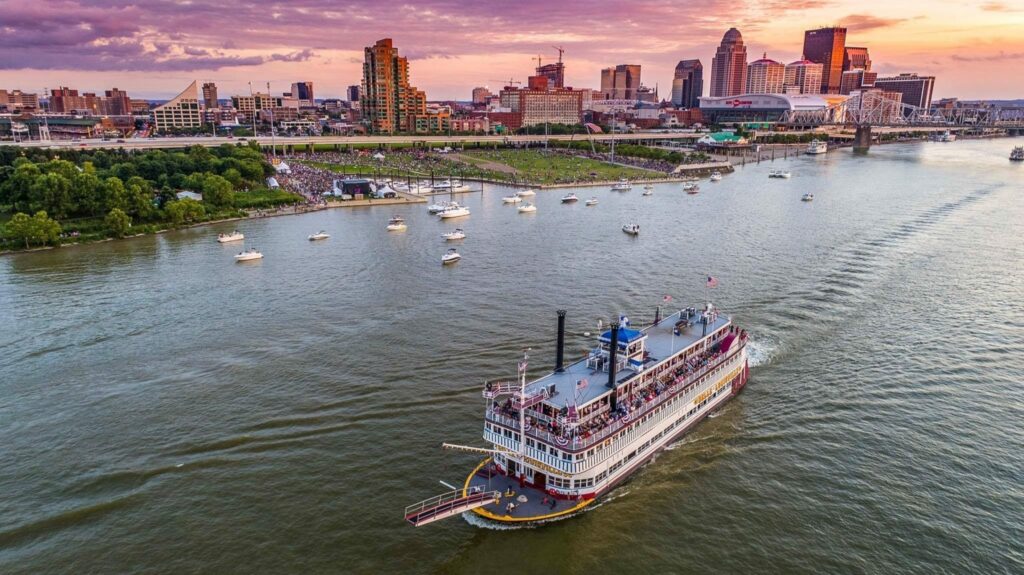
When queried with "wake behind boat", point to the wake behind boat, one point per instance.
{"points": [[560, 442]]}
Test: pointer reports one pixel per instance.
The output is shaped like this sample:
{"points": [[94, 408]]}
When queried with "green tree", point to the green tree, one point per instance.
{"points": [[114, 194], [118, 223], [35, 229], [185, 210], [51, 192], [88, 189], [217, 191]]}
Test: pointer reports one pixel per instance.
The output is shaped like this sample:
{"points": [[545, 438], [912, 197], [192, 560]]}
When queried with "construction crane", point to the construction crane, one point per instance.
{"points": [[538, 60], [509, 82], [561, 51]]}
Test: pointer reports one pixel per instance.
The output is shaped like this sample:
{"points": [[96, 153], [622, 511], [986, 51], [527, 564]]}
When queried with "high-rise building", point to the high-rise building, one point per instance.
{"points": [[688, 84], [210, 96], [481, 95], [857, 79], [729, 66], [802, 77], [856, 59], [303, 92], [555, 73], [539, 104], [180, 112], [827, 46], [916, 90], [16, 99], [765, 76], [389, 102], [115, 103], [353, 93], [65, 100], [621, 82]]}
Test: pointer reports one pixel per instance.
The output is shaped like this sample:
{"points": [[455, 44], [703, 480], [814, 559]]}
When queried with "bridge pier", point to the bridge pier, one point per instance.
{"points": [[862, 139]]}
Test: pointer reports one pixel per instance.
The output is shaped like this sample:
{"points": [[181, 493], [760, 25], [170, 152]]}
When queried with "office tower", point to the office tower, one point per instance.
{"points": [[827, 46], [729, 66]]}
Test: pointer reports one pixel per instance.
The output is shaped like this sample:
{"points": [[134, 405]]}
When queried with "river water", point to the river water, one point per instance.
{"points": [[163, 409]]}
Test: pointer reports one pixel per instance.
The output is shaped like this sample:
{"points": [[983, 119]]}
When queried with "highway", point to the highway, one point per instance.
{"points": [[301, 141]]}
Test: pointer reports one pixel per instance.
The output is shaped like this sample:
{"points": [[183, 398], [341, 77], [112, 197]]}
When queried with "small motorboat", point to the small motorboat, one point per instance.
{"points": [[321, 235], [235, 236], [456, 234], [632, 229], [511, 199], [807, 198], [438, 208], [716, 176], [248, 255], [526, 208], [592, 202], [779, 174], [691, 188], [623, 185], [396, 224], [526, 194], [454, 211], [570, 198], [648, 191], [450, 257]]}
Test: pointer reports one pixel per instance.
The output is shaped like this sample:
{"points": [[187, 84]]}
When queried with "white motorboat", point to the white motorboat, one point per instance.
{"points": [[816, 147], [632, 229], [456, 234], [592, 202], [526, 194], [807, 198], [691, 188], [248, 255], [569, 198], [396, 224], [526, 208], [454, 211], [623, 185], [511, 199], [443, 206], [716, 176], [648, 191], [321, 235], [947, 136], [458, 186], [235, 236], [450, 257], [779, 174]]}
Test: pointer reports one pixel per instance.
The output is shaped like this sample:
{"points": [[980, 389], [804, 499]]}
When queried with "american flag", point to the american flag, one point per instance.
{"points": [[712, 282], [522, 366], [667, 298]]}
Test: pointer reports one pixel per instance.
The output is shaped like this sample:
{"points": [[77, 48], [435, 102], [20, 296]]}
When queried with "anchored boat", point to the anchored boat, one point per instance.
{"points": [[1017, 155], [235, 236], [560, 442]]}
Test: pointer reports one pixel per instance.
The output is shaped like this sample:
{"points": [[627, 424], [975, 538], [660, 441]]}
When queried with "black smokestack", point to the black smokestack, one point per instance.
{"points": [[560, 351], [612, 352]]}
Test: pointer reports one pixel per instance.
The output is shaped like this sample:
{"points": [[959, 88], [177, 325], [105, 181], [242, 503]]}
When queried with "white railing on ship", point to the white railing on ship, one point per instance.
{"points": [[444, 498], [578, 444]]}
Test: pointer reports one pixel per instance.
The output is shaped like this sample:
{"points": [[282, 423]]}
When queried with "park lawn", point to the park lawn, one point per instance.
{"points": [[538, 167]]}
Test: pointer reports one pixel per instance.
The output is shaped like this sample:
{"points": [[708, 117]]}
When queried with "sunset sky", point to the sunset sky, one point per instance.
{"points": [[154, 48]]}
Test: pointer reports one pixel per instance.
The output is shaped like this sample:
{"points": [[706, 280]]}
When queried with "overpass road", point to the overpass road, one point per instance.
{"points": [[298, 142]]}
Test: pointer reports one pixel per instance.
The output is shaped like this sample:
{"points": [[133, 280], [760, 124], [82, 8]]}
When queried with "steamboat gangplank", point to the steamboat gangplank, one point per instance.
{"points": [[561, 441]]}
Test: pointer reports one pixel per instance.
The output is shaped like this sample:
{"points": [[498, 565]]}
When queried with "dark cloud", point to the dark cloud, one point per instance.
{"points": [[865, 22], [1000, 57]]}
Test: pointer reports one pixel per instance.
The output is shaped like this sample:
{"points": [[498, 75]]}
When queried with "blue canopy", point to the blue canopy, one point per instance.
{"points": [[626, 335]]}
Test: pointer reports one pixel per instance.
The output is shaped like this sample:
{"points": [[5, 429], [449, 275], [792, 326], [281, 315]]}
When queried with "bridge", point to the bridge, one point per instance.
{"points": [[868, 110]]}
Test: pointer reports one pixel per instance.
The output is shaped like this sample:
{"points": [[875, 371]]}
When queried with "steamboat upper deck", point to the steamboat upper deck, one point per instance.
{"points": [[668, 337]]}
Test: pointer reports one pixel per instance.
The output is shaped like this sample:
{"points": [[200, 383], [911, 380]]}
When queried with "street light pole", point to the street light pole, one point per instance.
{"points": [[273, 133]]}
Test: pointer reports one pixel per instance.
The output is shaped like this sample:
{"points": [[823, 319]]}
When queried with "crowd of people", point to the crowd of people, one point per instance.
{"points": [[310, 182]]}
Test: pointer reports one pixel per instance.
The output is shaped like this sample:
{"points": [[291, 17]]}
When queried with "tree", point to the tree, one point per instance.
{"points": [[35, 229], [51, 192], [118, 223], [185, 210], [217, 191], [115, 194]]}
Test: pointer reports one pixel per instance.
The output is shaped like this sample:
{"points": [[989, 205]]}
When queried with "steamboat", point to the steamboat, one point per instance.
{"points": [[560, 442]]}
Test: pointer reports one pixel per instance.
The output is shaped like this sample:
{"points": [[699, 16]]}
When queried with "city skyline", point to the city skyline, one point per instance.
{"points": [[152, 50]]}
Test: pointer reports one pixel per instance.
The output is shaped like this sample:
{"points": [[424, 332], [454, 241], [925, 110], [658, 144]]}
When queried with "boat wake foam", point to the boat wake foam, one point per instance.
{"points": [[760, 350]]}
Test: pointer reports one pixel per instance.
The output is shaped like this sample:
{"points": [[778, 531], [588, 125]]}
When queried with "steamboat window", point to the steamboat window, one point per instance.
{"points": [[601, 477]]}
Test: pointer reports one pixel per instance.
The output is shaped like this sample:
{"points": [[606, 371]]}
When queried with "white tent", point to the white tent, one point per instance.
{"points": [[283, 168], [272, 183], [378, 156]]}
